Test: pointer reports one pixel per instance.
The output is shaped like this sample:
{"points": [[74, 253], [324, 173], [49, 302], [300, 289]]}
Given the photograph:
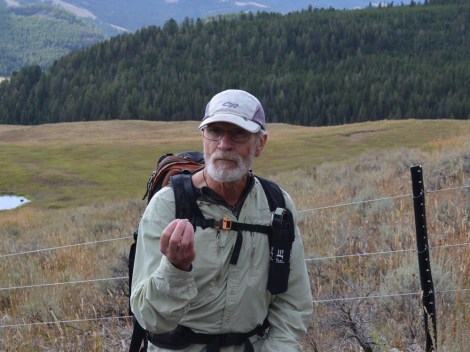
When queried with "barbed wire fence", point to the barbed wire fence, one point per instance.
{"points": [[430, 345]]}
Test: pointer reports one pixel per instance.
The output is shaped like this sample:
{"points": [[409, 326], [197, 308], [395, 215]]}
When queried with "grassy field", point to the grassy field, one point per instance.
{"points": [[86, 181], [75, 164]]}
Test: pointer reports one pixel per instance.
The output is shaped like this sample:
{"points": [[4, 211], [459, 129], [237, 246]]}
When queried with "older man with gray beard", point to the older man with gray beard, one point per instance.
{"points": [[187, 290]]}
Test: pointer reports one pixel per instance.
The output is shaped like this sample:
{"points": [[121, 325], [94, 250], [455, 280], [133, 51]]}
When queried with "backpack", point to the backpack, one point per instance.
{"points": [[179, 168], [167, 165]]}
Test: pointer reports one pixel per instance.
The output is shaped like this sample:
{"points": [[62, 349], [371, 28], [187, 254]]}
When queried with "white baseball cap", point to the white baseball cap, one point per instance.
{"points": [[237, 107]]}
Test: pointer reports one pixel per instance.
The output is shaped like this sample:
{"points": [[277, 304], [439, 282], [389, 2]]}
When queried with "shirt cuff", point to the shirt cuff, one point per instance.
{"points": [[171, 280]]}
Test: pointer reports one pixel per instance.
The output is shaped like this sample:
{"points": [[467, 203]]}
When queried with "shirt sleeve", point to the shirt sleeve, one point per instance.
{"points": [[161, 292], [290, 312]]}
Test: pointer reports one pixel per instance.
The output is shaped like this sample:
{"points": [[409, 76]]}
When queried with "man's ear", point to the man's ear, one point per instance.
{"points": [[261, 143]]}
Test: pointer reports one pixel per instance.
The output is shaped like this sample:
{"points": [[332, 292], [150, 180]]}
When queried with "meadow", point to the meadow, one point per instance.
{"points": [[63, 257]]}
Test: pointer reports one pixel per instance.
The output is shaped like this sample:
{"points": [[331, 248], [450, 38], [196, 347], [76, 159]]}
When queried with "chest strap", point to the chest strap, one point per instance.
{"points": [[228, 225]]}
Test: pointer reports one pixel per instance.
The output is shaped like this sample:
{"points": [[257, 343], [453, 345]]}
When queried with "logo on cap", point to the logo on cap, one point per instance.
{"points": [[230, 105]]}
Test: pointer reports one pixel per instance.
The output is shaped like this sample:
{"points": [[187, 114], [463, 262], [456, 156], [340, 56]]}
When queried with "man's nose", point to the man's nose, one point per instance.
{"points": [[226, 140]]}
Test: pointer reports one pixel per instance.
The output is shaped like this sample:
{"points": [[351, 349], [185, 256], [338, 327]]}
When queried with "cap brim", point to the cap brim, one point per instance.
{"points": [[248, 125]]}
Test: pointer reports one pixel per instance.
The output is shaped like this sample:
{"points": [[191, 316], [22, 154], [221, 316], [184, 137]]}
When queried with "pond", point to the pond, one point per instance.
{"points": [[12, 202]]}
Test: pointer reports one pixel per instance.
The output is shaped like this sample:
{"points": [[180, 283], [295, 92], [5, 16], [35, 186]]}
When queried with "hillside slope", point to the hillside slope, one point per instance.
{"points": [[112, 160]]}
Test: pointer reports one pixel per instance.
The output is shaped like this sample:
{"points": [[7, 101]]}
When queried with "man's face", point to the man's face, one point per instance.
{"points": [[228, 160]]}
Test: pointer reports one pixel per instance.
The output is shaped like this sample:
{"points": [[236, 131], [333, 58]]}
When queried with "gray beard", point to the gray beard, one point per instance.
{"points": [[225, 174]]}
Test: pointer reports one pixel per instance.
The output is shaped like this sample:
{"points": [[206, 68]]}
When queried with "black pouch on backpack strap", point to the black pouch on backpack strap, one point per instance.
{"points": [[283, 235]]}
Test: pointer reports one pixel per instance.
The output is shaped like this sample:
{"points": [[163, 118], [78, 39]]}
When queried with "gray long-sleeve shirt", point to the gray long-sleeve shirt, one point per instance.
{"points": [[215, 296]]}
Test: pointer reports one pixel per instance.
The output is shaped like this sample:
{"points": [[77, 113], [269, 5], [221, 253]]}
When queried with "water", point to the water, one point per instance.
{"points": [[12, 202]]}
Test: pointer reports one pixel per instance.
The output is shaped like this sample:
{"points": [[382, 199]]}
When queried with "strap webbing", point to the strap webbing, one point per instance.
{"points": [[182, 337], [236, 249], [235, 226], [138, 335]]}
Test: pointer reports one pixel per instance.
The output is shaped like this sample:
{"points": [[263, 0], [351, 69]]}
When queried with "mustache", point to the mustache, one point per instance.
{"points": [[225, 155]]}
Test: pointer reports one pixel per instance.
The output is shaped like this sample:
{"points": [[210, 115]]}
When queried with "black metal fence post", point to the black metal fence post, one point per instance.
{"points": [[424, 261]]}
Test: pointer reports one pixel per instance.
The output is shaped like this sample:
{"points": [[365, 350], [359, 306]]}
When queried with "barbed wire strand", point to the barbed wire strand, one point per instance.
{"points": [[448, 189], [386, 295], [306, 260], [379, 199], [64, 283], [384, 252], [65, 246], [64, 322], [358, 255], [55, 322], [298, 211], [354, 203], [449, 245]]}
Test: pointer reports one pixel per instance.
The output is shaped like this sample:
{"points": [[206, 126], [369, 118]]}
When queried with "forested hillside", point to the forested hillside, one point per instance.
{"points": [[39, 34], [315, 67]]}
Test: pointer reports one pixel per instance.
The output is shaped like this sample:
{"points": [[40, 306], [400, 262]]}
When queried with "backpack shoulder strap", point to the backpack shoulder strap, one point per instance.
{"points": [[273, 193], [186, 206], [139, 335], [185, 199]]}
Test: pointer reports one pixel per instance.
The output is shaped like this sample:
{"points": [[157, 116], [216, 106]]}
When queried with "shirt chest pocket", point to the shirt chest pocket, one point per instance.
{"points": [[214, 251], [259, 261]]}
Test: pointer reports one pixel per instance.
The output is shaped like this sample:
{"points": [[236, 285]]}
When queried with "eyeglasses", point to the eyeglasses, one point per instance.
{"points": [[237, 135]]}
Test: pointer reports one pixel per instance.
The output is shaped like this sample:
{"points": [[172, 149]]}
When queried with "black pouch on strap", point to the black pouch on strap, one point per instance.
{"points": [[281, 245], [176, 339]]}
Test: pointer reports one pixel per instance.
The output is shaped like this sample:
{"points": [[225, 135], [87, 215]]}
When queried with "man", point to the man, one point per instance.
{"points": [[187, 290]]}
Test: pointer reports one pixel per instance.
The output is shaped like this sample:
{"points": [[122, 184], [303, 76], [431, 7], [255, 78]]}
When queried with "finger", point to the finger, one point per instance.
{"points": [[186, 248], [176, 236], [166, 235], [180, 227], [187, 238]]}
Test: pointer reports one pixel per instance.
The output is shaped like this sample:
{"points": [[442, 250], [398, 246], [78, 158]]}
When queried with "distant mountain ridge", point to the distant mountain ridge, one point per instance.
{"points": [[124, 15]]}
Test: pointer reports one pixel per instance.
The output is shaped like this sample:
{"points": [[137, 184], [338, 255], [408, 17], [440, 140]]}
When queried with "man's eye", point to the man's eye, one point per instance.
{"points": [[216, 131], [239, 132]]}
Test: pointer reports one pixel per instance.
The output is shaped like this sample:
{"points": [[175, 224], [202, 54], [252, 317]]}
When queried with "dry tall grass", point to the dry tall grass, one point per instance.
{"points": [[73, 316]]}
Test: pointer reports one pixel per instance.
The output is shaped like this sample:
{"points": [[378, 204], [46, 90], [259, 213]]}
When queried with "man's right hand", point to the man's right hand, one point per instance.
{"points": [[177, 243]]}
